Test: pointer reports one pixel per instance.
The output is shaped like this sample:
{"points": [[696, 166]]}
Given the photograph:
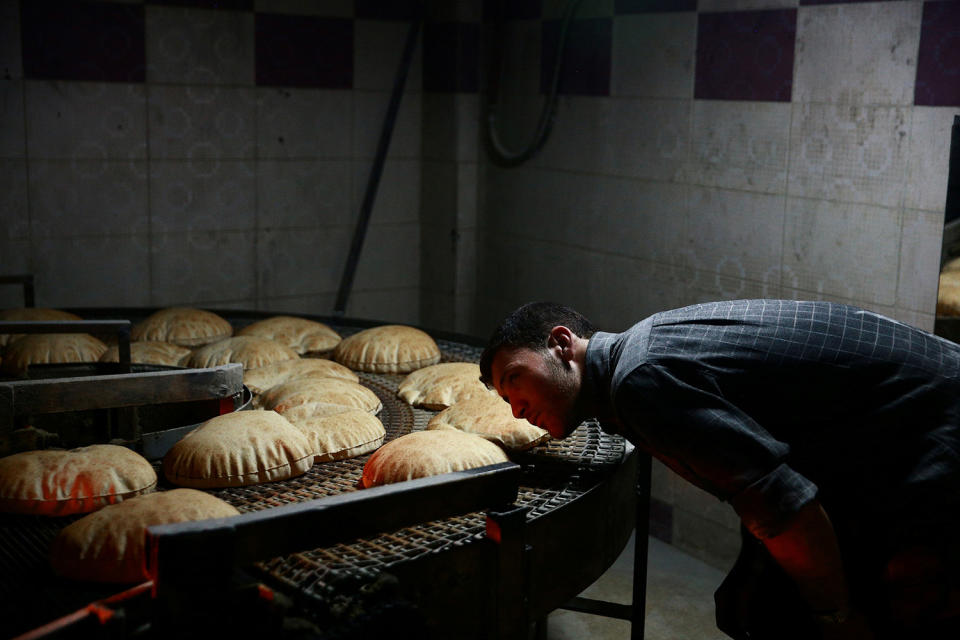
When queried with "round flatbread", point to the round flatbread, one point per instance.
{"points": [[490, 417], [300, 334], [348, 434], [56, 482], [109, 545], [262, 378], [428, 453], [323, 391], [50, 348], [238, 449], [31, 314], [249, 351], [948, 294], [389, 348], [184, 326], [150, 352], [440, 385]]}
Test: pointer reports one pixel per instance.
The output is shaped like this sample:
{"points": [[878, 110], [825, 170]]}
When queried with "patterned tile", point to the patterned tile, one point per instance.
{"points": [[398, 194], [400, 306], [83, 41], [12, 135], [304, 51], [645, 138], [654, 6], [653, 55], [745, 55], [920, 246], [929, 158], [202, 122], [303, 193], [297, 262], [304, 123], [585, 68], [202, 266], [370, 108], [390, 258], [451, 57], [202, 195], [938, 62]]}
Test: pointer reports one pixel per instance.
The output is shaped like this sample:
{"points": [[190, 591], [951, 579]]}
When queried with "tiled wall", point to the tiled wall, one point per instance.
{"points": [[208, 153], [721, 149]]}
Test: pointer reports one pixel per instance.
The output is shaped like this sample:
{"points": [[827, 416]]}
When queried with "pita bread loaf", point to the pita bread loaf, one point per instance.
{"points": [[109, 545], [316, 410], [440, 385], [150, 352], [390, 348], [31, 314], [490, 417], [184, 326], [300, 334], [428, 453], [344, 435], [325, 391], [262, 378], [60, 483], [948, 294], [238, 449], [50, 348], [249, 351]]}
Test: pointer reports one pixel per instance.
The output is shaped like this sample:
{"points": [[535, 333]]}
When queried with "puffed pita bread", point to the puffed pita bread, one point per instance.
{"points": [[389, 348], [316, 410], [250, 351], [490, 417], [31, 314], [349, 434], [428, 453], [184, 326], [57, 482], [109, 545], [438, 386], [326, 391], [150, 352], [948, 294], [300, 334], [50, 348], [262, 378], [238, 449]]}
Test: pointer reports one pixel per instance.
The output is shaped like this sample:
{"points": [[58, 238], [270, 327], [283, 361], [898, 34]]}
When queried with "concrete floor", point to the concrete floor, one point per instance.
{"points": [[679, 600]]}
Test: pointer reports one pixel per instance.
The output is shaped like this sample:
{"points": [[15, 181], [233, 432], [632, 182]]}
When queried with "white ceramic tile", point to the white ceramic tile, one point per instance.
{"points": [[105, 271], [202, 195], [514, 126], [928, 161], [377, 53], [439, 125], [14, 215], [304, 123], [465, 256], [916, 319], [12, 134], [207, 266], [630, 289], [327, 8], [920, 246], [11, 66], [862, 54], [208, 122], [397, 197], [390, 258], [315, 305], [739, 145], [87, 197], [14, 260], [839, 249], [199, 46], [647, 139], [370, 109], [401, 306], [437, 310], [298, 262], [303, 193], [469, 142], [713, 286], [653, 55], [704, 6], [438, 259], [580, 139], [468, 184], [85, 120], [439, 194], [848, 153]]}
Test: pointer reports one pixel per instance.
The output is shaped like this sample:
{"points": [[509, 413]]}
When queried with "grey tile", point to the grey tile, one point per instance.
{"points": [[390, 258], [11, 65], [920, 245], [14, 214], [378, 50], [440, 125], [929, 158], [14, 260], [630, 289], [301, 262], [653, 55], [203, 266], [12, 124], [316, 305], [400, 306], [304, 123], [304, 193], [202, 195], [370, 109], [208, 122], [439, 193], [398, 192], [197, 46]]}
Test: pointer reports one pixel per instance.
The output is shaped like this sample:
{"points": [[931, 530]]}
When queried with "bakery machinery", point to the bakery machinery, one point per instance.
{"points": [[486, 553]]}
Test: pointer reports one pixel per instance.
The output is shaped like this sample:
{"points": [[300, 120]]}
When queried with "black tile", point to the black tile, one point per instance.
{"points": [[938, 61], [812, 2], [585, 67], [497, 10], [234, 5], [83, 41], [304, 51], [451, 57], [653, 6], [387, 9]]}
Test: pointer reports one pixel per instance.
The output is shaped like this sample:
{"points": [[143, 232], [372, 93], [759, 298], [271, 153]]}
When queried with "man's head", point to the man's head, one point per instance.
{"points": [[534, 360]]}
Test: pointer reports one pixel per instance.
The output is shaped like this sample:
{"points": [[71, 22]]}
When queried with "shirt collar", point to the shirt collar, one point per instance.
{"points": [[598, 375]]}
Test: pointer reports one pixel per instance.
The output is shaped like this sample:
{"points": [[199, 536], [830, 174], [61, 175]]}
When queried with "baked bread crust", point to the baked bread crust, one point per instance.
{"points": [[300, 334], [150, 352], [488, 416], [30, 314], [109, 545], [262, 378], [391, 348], [238, 449], [185, 326], [351, 433], [50, 348], [438, 386], [250, 351], [325, 391], [948, 294], [55, 482]]}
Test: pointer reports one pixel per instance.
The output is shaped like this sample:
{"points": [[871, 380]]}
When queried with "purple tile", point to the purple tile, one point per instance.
{"points": [[495, 10], [938, 61], [451, 57], [810, 2], [653, 6], [83, 41], [745, 55], [304, 51], [386, 9], [236, 5], [585, 68]]}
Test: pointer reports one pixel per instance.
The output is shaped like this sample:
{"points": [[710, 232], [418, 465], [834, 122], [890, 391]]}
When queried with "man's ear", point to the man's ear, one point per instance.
{"points": [[561, 339]]}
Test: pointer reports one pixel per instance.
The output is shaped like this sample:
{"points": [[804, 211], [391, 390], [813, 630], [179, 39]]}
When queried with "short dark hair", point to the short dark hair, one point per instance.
{"points": [[529, 326]]}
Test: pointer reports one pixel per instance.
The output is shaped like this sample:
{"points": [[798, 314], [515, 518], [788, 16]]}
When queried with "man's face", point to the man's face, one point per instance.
{"points": [[540, 388]]}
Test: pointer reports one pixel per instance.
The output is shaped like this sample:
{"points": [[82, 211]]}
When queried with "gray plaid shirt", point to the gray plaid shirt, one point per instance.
{"points": [[768, 403]]}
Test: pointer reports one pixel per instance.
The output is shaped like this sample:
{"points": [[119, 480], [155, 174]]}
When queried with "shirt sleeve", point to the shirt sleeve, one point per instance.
{"points": [[707, 440]]}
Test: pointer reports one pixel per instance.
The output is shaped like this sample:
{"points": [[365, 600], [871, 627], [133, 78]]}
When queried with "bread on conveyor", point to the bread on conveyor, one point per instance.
{"points": [[238, 449], [150, 352], [428, 453], [347, 434], [250, 351], [56, 482], [31, 314], [300, 334], [438, 386], [325, 391], [184, 326], [262, 378], [948, 294], [109, 545], [387, 349], [50, 348], [490, 417]]}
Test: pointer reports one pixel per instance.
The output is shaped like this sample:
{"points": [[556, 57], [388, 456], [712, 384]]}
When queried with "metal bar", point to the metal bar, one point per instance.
{"points": [[360, 231], [119, 327], [600, 608], [506, 529], [640, 549], [952, 206]]}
